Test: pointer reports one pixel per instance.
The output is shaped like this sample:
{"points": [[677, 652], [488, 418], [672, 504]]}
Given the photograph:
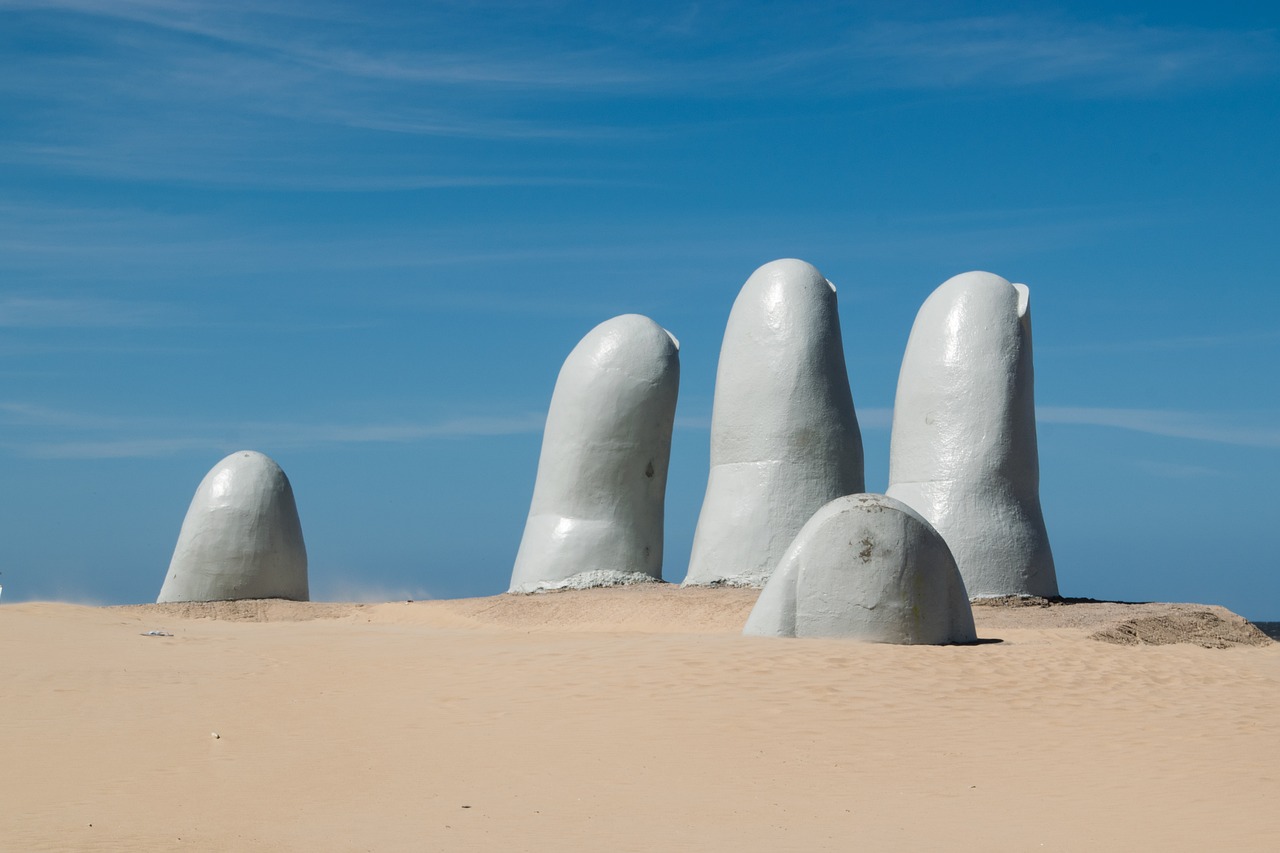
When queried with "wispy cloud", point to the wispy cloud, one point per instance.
{"points": [[1023, 51], [17, 413], [1174, 424], [462, 47], [1176, 470], [144, 159], [693, 423], [875, 417], [175, 253], [224, 96], [233, 94], [1170, 344], [88, 436], [29, 312], [632, 48], [124, 448]]}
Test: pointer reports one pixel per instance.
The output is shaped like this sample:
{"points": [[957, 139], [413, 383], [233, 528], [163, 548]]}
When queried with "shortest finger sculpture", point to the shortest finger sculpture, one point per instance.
{"points": [[596, 518], [869, 568], [241, 537]]}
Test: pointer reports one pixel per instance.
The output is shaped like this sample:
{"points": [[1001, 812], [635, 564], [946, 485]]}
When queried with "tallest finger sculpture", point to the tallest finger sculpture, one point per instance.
{"points": [[784, 437], [963, 450]]}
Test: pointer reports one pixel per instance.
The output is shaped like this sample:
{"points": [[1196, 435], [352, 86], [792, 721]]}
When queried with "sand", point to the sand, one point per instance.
{"points": [[629, 719]]}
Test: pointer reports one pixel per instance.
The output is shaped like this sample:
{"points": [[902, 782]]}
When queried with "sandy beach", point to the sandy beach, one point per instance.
{"points": [[629, 719]]}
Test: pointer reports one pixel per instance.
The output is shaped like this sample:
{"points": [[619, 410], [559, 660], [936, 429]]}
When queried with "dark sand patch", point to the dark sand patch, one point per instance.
{"points": [[1125, 623]]}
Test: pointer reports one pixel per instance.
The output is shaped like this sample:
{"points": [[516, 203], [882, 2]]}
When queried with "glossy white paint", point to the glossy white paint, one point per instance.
{"points": [[596, 517], [869, 568], [784, 436], [241, 537], [963, 450]]}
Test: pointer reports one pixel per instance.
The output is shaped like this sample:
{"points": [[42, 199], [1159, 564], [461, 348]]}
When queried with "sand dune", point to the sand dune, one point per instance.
{"points": [[629, 719]]}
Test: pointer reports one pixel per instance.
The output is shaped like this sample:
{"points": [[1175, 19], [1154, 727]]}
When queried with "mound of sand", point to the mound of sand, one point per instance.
{"points": [[1210, 628], [1125, 623]]}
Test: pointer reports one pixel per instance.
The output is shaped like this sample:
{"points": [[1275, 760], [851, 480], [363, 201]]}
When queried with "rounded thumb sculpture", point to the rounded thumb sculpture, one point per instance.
{"points": [[596, 517], [241, 537], [869, 568], [784, 436], [963, 448]]}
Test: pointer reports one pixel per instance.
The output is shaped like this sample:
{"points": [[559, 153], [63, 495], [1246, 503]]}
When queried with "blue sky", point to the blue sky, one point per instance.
{"points": [[361, 238]]}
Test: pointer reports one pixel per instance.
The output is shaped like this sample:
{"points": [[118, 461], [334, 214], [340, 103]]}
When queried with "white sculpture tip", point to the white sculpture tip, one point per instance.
{"points": [[784, 266], [976, 275], [981, 278], [1024, 299], [632, 323]]}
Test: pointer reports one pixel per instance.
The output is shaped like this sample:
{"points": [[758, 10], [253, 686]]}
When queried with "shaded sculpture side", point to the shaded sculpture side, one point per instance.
{"points": [[241, 537], [963, 449], [596, 517], [869, 568], [784, 436]]}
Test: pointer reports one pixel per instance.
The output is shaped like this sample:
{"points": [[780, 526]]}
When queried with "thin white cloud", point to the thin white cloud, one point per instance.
{"points": [[81, 247], [694, 423], [468, 427], [120, 438], [152, 161], [135, 448], [304, 37], [39, 313], [1174, 424], [18, 413], [997, 232], [1170, 344], [214, 93], [1176, 470], [1020, 51], [875, 417]]}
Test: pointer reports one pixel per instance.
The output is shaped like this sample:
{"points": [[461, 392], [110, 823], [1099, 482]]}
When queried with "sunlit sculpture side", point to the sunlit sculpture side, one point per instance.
{"points": [[869, 568], [596, 517], [784, 436], [241, 537], [963, 449]]}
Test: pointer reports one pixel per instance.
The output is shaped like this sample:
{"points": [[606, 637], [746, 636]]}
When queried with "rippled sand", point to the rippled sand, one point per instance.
{"points": [[629, 719]]}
